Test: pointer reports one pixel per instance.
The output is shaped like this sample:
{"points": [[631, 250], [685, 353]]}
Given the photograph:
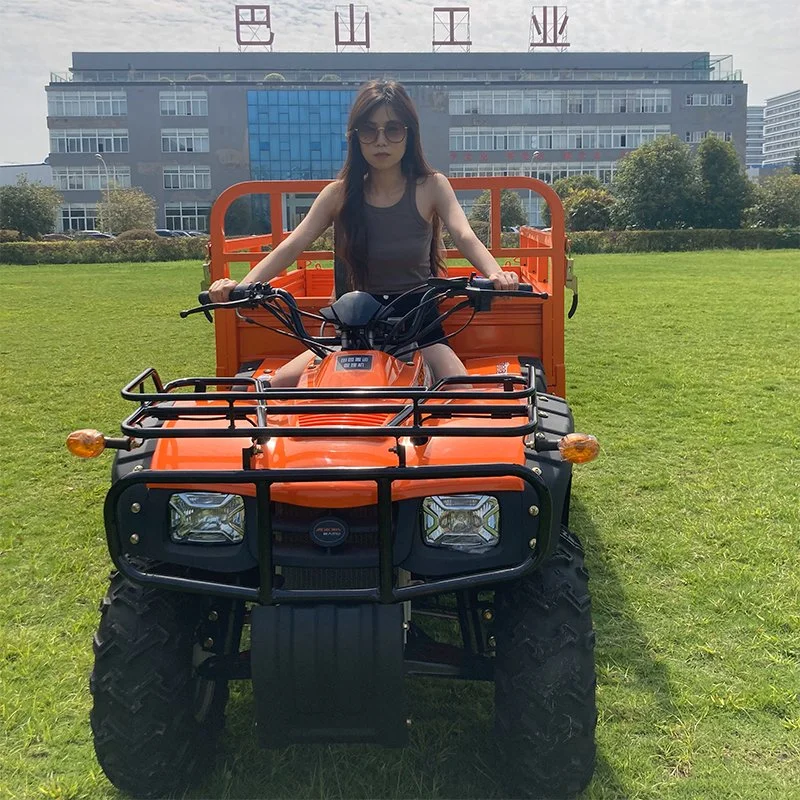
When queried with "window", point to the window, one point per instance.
{"points": [[721, 100], [187, 216], [694, 137], [696, 99], [87, 104], [184, 140], [183, 104], [68, 179], [78, 217], [187, 177], [89, 141], [554, 138]]}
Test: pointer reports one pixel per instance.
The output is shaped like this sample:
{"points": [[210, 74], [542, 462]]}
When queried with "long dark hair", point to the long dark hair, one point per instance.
{"points": [[352, 247]]}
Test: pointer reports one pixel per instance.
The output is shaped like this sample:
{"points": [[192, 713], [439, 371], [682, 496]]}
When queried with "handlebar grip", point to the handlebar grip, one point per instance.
{"points": [[486, 283], [237, 293]]}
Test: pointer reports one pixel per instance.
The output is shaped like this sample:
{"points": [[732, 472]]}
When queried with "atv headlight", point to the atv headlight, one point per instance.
{"points": [[467, 522], [206, 518]]}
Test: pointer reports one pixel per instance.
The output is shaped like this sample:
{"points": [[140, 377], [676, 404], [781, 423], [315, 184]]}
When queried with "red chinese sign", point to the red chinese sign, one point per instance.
{"points": [[253, 26], [351, 32]]}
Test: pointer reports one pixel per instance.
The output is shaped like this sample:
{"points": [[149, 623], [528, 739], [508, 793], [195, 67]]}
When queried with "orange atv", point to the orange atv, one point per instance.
{"points": [[339, 518]]}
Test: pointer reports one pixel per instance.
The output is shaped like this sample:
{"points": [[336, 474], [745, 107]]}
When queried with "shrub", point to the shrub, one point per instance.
{"points": [[138, 234], [103, 251], [667, 241], [7, 235]]}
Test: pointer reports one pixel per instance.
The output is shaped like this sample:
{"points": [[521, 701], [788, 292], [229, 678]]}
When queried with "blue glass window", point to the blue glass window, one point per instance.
{"points": [[297, 133]]}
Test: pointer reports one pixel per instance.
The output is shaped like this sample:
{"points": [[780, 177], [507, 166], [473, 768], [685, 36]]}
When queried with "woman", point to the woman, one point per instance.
{"points": [[388, 206]]}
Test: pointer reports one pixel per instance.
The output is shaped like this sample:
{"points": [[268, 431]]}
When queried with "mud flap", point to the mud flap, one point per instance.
{"points": [[328, 673]]}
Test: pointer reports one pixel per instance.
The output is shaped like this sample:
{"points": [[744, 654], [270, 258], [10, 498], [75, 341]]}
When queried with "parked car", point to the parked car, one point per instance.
{"points": [[197, 233], [167, 233], [56, 237], [92, 235]]}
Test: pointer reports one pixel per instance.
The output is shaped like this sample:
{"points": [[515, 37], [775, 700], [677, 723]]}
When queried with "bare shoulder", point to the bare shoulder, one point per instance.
{"points": [[432, 193], [433, 183], [331, 198], [333, 191]]}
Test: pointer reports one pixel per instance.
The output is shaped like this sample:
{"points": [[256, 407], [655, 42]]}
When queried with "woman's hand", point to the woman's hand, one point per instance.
{"points": [[504, 280], [220, 290]]}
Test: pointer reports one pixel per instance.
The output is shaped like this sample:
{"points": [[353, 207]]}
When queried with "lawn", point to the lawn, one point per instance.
{"points": [[686, 368]]}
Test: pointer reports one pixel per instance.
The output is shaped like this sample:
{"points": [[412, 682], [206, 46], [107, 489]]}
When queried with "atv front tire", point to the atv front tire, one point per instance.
{"points": [[545, 710], [155, 722]]}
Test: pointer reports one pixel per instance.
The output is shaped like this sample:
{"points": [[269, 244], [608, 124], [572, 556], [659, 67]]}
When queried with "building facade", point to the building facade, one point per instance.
{"points": [[184, 126], [754, 153], [33, 173], [781, 130]]}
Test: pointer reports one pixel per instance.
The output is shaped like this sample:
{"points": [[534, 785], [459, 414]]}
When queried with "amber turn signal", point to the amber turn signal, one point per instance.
{"points": [[578, 448], [86, 443]]}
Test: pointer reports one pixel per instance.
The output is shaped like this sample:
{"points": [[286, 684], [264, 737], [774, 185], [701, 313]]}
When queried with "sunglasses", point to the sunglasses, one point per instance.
{"points": [[394, 132]]}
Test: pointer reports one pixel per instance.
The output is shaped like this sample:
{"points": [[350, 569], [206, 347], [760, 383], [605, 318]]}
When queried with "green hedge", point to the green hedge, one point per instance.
{"points": [[107, 251], [681, 240], [103, 251]]}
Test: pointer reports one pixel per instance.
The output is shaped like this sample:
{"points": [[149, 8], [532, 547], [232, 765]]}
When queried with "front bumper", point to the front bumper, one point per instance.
{"points": [[540, 534]]}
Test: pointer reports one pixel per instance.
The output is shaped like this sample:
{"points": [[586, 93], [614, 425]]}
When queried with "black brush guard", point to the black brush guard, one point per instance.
{"points": [[386, 591], [247, 414]]}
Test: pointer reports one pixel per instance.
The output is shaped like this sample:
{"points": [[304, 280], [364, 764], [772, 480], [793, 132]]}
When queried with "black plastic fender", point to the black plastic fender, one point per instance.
{"points": [[555, 421], [328, 673]]}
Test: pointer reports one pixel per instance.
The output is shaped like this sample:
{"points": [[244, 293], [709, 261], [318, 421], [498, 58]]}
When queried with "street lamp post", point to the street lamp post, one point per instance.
{"points": [[108, 183], [535, 155]]}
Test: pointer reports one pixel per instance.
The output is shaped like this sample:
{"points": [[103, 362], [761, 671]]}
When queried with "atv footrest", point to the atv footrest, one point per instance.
{"points": [[328, 673]]}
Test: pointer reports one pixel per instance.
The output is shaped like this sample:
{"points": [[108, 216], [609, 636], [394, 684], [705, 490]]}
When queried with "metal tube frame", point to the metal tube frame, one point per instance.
{"points": [[386, 591]]}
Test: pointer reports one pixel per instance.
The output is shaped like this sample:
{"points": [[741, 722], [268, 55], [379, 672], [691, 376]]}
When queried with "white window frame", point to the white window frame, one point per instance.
{"points": [[89, 141], [88, 214], [87, 104], [179, 103], [188, 216], [74, 179], [184, 140], [187, 176]]}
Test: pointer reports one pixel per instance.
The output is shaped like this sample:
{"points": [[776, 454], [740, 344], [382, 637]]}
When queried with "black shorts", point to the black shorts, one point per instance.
{"points": [[430, 335]]}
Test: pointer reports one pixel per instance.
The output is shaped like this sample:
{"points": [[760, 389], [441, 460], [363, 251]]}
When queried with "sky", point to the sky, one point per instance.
{"points": [[37, 37]]}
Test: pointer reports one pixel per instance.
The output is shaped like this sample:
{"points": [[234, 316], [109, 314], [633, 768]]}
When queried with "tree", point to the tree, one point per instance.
{"points": [[796, 163], [777, 202], [239, 217], [29, 208], [657, 186], [125, 210], [725, 189], [588, 210], [564, 187], [512, 213]]}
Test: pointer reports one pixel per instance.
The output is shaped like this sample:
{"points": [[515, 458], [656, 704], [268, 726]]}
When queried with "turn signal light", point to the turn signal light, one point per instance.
{"points": [[578, 448], [86, 443]]}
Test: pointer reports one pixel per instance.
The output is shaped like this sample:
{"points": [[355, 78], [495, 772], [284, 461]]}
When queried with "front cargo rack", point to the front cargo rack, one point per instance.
{"points": [[247, 408]]}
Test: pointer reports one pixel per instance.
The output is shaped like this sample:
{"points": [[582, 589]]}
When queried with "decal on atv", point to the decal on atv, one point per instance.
{"points": [[353, 362], [329, 532]]}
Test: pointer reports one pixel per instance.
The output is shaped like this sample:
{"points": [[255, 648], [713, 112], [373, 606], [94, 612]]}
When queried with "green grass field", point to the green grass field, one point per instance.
{"points": [[686, 368]]}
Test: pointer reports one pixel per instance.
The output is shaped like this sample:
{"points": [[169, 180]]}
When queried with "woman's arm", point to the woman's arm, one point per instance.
{"points": [[446, 205], [319, 217]]}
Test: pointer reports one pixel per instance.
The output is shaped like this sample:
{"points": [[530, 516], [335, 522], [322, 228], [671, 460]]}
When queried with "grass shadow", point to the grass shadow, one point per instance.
{"points": [[624, 655]]}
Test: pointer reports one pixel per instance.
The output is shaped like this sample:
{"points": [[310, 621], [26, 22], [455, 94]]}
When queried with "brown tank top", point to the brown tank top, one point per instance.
{"points": [[398, 245]]}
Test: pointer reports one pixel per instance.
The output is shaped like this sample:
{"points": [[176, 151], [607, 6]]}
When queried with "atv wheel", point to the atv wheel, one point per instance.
{"points": [[545, 711], [155, 722]]}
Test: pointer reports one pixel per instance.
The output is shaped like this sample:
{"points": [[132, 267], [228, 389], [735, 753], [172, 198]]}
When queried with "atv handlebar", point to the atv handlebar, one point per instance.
{"points": [[475, 292]]}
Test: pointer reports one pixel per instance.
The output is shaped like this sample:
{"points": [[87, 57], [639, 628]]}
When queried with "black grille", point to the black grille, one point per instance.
{"points": [[336, 578], [292, 524]]}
